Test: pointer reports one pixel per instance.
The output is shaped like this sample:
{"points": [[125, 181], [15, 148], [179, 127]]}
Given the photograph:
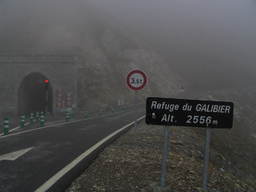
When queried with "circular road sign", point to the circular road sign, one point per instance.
{"points": [[136, 80]]}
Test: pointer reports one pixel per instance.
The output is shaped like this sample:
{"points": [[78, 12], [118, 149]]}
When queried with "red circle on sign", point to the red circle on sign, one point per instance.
{"points": [[136, 72]]}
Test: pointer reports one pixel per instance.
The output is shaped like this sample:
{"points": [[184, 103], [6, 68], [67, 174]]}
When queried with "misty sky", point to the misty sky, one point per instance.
{"points": [[207, 42]]}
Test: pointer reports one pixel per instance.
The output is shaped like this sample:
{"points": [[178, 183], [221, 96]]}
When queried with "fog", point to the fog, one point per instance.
{"points": [[211, 44], [49, 24]]}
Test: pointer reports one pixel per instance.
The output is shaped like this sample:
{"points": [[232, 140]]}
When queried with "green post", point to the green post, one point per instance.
{"points": [[31, 117], [22, 121], [28, 118], [37, 116], [68, 116], [6, 126], [86, 114], [44, 114], [34, 118], [72, 113], [42, 121]]}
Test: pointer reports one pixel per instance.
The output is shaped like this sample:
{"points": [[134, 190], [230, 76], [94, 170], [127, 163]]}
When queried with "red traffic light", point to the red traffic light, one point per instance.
{"points": [[46, 81]]}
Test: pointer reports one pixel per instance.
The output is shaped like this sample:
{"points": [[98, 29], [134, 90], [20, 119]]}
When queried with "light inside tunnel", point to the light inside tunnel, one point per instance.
{"points": [[34, 95]]}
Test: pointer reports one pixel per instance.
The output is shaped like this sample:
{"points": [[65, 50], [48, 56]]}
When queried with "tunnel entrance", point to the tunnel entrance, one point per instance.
{"points": [[35, 94]]}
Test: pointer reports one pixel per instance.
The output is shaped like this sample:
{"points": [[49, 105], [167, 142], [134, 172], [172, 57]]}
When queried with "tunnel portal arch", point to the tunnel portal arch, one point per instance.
{"points": [[35, 94]]}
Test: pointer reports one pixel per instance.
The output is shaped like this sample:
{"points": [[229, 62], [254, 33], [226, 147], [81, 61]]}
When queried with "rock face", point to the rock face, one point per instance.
{"points": [[104, 54]]}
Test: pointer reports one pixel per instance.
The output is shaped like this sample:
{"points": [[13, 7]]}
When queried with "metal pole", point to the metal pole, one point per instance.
{"points": [[206, 158], [165, 157], [135, 97]]}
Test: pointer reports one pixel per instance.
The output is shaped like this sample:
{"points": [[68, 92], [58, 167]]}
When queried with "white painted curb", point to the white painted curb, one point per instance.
{"points": [[51, 124], [48, 184]]}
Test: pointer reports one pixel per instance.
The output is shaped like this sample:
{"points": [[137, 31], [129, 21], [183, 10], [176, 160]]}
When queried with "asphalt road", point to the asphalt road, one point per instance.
{"points": [[51, 149]]}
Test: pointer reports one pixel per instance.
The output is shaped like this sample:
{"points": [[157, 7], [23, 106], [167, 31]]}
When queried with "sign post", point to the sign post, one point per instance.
{"points": [[136, 80], [165, 156], [206, 158], [192, 113]]}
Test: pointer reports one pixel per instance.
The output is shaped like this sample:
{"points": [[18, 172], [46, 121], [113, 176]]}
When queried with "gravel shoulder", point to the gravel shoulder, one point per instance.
{"points": [[132, 163]]}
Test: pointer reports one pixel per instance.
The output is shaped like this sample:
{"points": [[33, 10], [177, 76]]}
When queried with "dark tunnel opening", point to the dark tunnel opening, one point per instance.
{"points": [[35, 94]]}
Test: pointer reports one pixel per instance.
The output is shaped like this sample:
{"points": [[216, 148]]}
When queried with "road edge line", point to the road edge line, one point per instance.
{"points": [[64, 171], [58, 123], [39, 128]]}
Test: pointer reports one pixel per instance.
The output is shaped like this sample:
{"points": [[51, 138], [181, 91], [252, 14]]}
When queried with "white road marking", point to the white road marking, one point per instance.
{"points": [[17, 128], [39, 128], [14, 129], [48, 184], [53, 125], [14, 155]]}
